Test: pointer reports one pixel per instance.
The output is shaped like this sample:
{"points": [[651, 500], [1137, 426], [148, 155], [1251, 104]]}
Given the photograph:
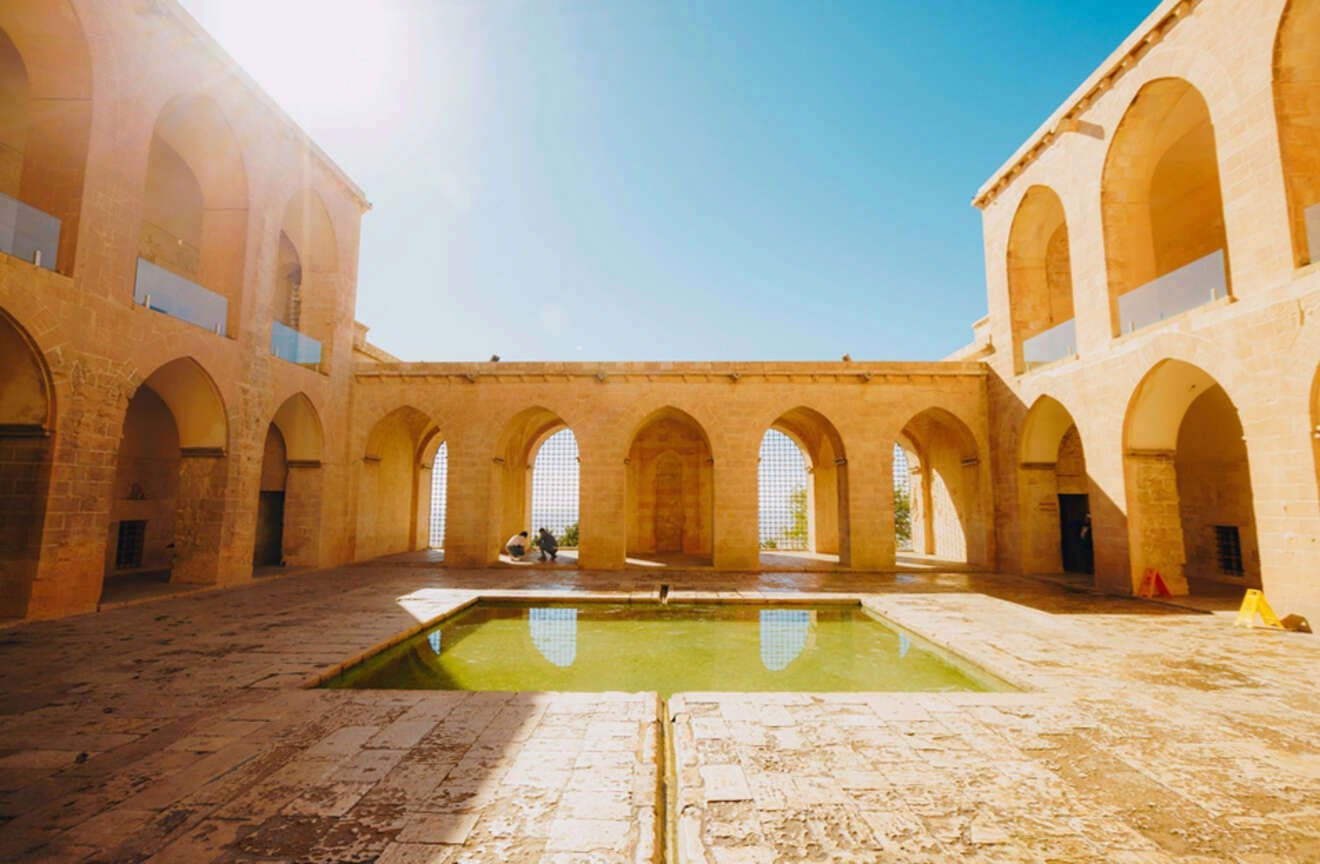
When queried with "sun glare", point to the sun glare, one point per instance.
{"points": [[329, 62]]}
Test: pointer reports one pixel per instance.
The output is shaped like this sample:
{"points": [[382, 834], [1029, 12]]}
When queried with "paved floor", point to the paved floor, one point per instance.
{"points": [[178, 730]]}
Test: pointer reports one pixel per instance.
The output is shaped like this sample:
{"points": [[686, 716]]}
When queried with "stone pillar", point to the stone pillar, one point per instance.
{"points": [[200, 519], [1038, 504], [737, 545], [1154, 517], [24, 472], [302, 514], [603, 529], [419, 536], [472, 515], [871, 507], [823, 512]]}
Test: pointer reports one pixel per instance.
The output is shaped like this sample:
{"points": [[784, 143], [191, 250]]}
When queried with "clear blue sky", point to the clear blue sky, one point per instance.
{"points": [[670, 179]]}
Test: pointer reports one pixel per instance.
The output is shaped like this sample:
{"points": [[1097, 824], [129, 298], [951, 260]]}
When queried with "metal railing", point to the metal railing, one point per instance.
{"points": [[1056, 343], [288, 344], [168, 292], [28, 233], [1203, 281]]}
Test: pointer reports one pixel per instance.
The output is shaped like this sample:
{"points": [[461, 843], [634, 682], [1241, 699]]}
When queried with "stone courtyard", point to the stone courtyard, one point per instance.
{"points": [[182, 730]]}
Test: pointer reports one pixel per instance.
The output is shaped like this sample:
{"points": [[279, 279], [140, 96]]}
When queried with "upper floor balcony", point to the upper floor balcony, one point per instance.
{"points": [[28, 233], [168, 292], [1203, 281], [289, 344], [1056, 343]]}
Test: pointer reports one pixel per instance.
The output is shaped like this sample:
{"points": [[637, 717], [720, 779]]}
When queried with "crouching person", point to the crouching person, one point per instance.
{"points": [[517, 546], [548, 544]]}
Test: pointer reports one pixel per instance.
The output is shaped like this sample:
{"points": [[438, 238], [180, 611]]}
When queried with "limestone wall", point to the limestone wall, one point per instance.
{"points": [[1261, 345], [629, 418], [95, 348]]}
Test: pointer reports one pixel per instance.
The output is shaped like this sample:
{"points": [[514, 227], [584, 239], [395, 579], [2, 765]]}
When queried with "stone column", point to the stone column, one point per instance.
{"points": [[199, 523], [473, 514], [419, 536], [1038, 504], [737, 545], [302, 514], [603, 529], [1154, 517], [871, 507], [24, 475]]}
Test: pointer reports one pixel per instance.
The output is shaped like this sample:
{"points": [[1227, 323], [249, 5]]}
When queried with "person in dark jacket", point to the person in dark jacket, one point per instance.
{"points": [[549, 545]]}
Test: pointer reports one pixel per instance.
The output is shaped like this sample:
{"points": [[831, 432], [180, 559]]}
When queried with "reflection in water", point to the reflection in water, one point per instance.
{"points": [[434, 639], [783, 636], [904, 645], [554, 633]]}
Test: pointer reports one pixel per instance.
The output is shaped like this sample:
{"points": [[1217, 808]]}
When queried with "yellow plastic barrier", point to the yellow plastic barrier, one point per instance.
{"points": [[1254, 604]]}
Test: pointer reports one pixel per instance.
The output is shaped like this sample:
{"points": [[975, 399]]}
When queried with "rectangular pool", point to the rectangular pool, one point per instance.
{"points": [[669, 648]]}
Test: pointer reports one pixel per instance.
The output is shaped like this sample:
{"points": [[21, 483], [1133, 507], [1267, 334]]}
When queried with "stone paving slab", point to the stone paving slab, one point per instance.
{"points": [[1174, 739], [178, 730]]}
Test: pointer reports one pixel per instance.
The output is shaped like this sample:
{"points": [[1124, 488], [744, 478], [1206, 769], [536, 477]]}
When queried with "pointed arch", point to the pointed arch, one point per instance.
{"points": [[300, 424], [195, 404], [1162, 208], [171, 465], [670, 487], [1054, 492], [520, 443], [948, 502], [1297, 111], [45, 127], [27, 419], [825, 484], [289, 501], [1040, 280], [392, 484], [306, 286], [194, 217], [1191, 513]]}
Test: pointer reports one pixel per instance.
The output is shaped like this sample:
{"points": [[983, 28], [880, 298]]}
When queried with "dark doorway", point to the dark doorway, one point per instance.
{"points": [[270, 530], [1075, 543]]}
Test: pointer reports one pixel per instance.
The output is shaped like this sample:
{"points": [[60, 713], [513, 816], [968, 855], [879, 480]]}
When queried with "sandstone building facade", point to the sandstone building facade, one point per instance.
{"points": [[183, 387]]}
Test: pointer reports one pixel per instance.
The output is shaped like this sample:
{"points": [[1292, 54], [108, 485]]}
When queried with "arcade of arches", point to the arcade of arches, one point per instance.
{"points": [[137, 445]]}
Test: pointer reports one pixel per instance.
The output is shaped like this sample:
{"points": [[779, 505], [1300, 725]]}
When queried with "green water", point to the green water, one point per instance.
{"points": [[592, 647]]}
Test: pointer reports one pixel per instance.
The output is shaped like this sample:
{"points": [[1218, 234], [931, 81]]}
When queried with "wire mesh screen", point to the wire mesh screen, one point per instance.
{"points": [[902, 500], [554, 633], [782, 482], [555, 488], [784, 634], [439, 486]]}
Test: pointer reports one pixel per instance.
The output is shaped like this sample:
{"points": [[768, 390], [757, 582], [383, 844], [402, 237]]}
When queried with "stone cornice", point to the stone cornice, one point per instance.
{"points": [[733, 373]]}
